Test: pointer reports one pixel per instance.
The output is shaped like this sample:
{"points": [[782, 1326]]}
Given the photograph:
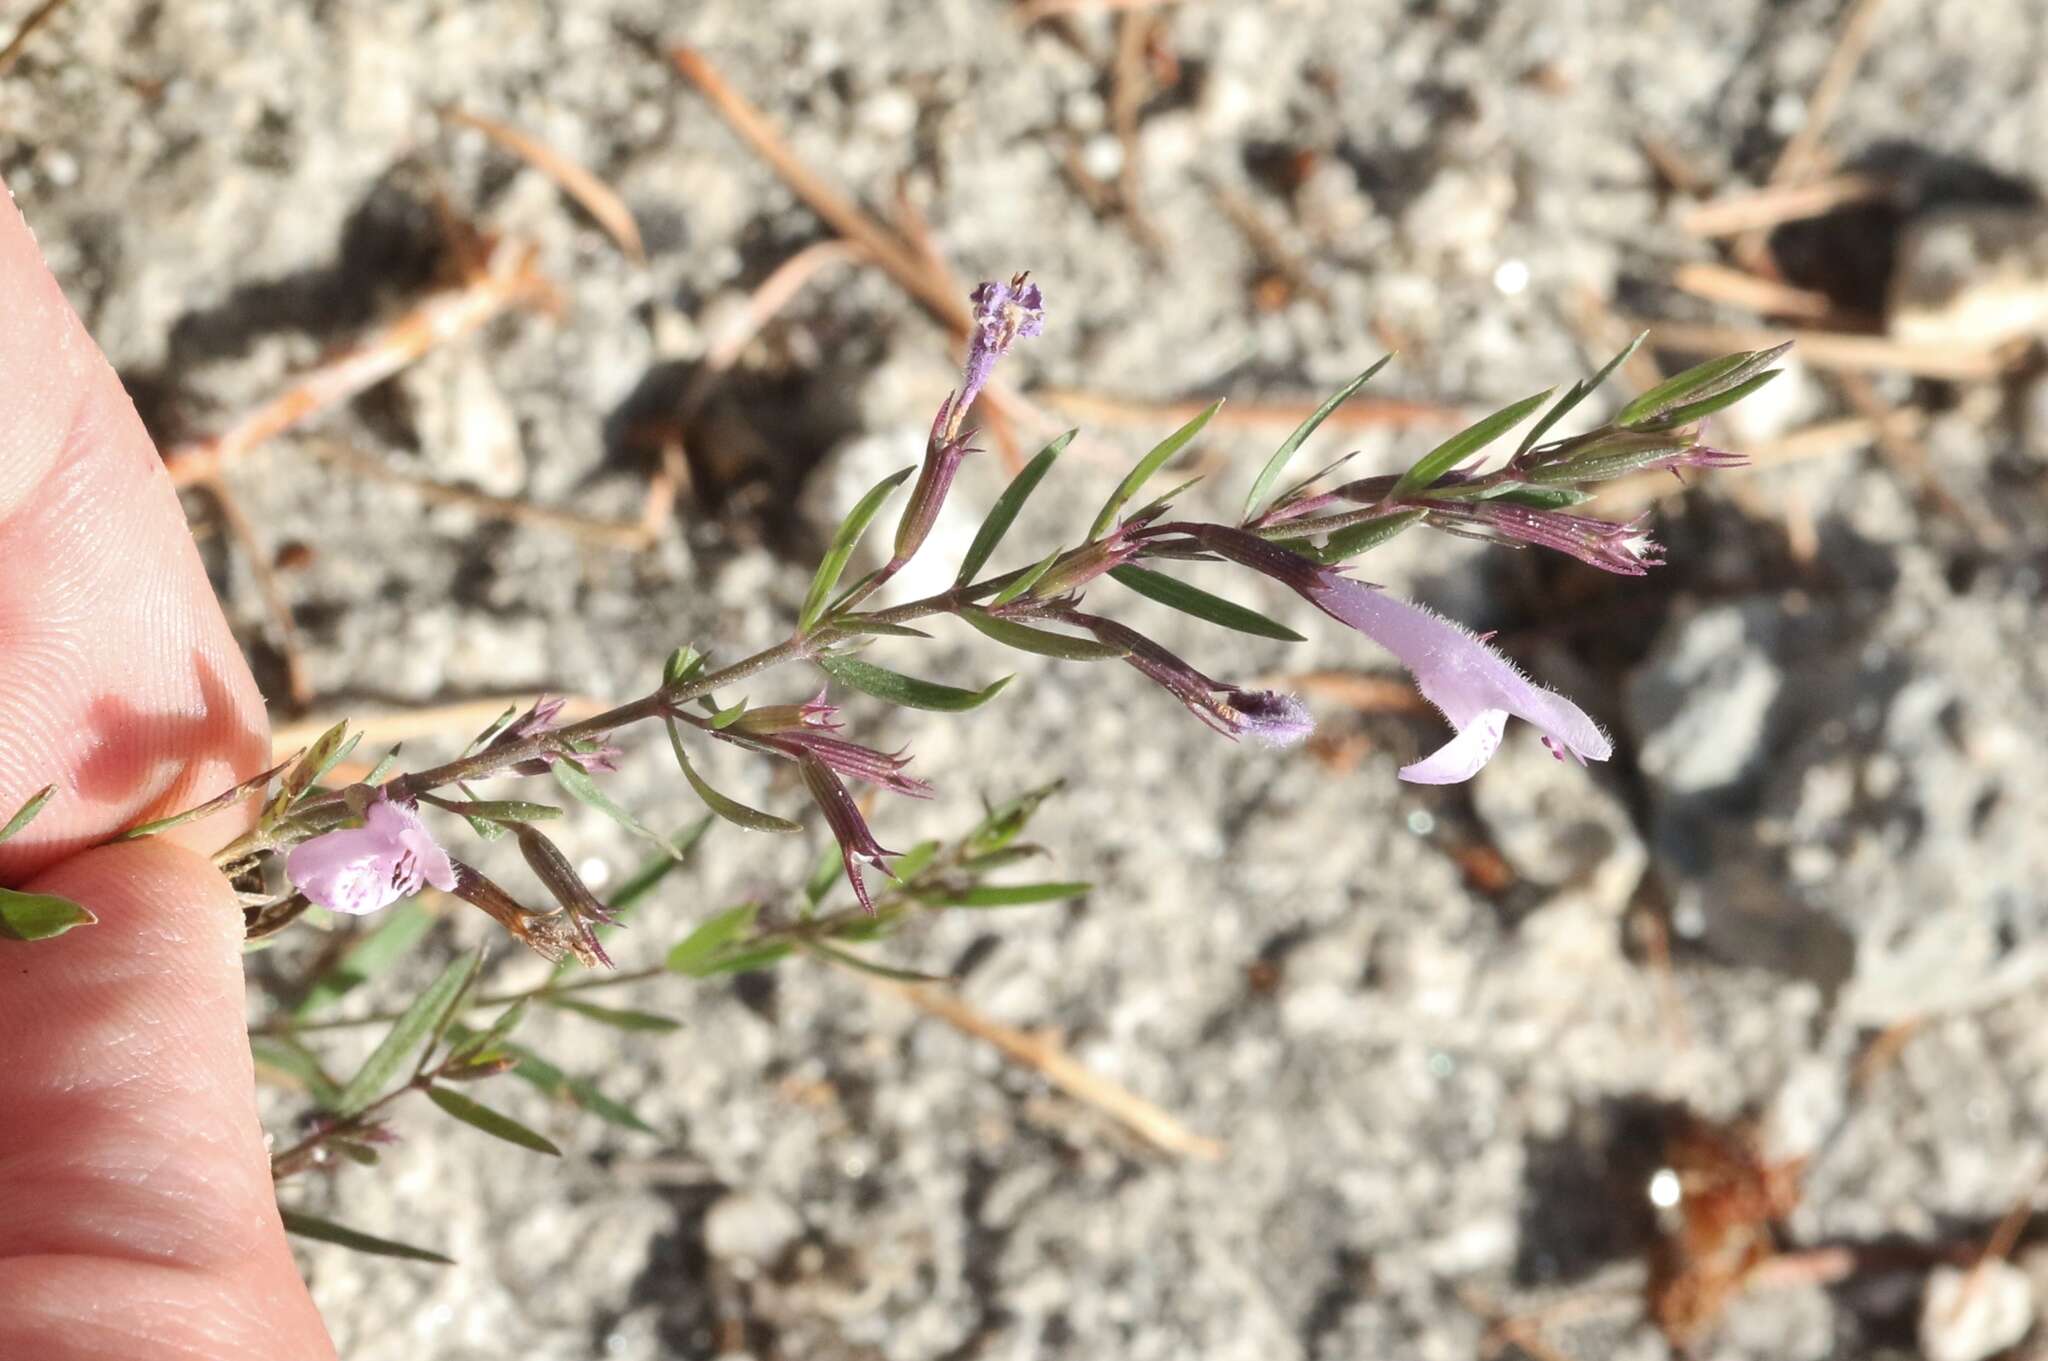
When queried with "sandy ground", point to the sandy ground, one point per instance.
{"points": [[1428, 1025]]}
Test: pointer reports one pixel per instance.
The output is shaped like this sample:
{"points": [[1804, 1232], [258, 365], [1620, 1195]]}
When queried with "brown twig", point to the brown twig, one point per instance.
{"points": [[506, 278], [1800, 155], [840, 213], [11, 53], [1842, 350], [298, 681], [1156, 1126], [1035, 11], [1740, 288], [629, 536], [1898, 441], [1757, 210], [1128, 87], [1266, 242], [1360, 413], [1800, 159], [919, 273], [598, 199], [1676, 169]]}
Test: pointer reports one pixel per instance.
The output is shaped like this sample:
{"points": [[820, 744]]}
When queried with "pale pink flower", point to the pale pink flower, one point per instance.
{"points": [[358, 870], [1473, 685], [1470, 682]]}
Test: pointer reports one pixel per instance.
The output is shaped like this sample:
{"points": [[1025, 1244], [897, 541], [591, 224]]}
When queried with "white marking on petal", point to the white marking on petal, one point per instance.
{"points": [[1463, 756]]}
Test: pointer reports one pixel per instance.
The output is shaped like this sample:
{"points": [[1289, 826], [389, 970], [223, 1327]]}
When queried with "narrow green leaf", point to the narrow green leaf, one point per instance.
{"points": [[1707, 406], [1148, 465], [1006, 895], [721, 719], [746, 959], [398, 931], [585, 790], [731, 809], [824, 875], [1044, 642], [844, 541], [579, 1092], [853, 961], [289, 1058], [1179, 595], [494, 1123], [225, 799], [1014, 854], [492, 731], [38, 916], [1166, 498], [1368, 534], [1006, 821], [1466, 443], [652, 871], [619, 1018], [914, 862], [697, 949], [1028, 578], [469, 1044], [504, 810], [329, 751], [908, 691], [1277, 464], [1542, 498], [423, 1019], [26, 814], [1578, 392], [1698, 382], [384, 765], [681, 667], [856, 626], [1004, 512], [327, 1231]]}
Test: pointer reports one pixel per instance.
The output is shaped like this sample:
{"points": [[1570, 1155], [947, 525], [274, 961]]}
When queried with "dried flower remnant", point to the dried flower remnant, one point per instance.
{"points": [[554, 936], [1625, 549], [794, 730], [856, 841], [358, 870], [1272, 718], [1469, 682], [583, 909]]}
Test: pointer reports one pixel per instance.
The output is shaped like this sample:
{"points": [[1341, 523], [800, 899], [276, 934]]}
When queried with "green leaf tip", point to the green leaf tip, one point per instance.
{"points": [[39, 916], [1277, 464]]}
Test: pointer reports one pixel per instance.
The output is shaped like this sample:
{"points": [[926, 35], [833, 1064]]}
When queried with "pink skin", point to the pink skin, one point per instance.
{"points": [[137, 1216], [359, 870]]}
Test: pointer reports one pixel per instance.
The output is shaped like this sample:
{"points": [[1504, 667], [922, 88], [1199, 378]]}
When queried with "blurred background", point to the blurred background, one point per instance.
{"points": [[503, 347]]}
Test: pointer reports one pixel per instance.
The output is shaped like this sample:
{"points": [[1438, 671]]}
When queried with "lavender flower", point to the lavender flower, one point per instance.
{"points": [[856, 841], [1275, 719], [1471, 683], [358, 870], [1004, 313]]}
